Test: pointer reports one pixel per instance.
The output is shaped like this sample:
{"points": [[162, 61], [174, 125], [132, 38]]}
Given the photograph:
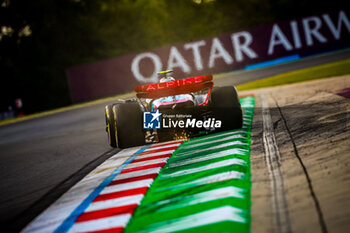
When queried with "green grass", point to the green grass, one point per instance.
{"points": [[316, 72]]}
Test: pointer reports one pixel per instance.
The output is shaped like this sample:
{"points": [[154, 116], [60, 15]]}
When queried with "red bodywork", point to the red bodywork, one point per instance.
{"points": [[177, 87]]}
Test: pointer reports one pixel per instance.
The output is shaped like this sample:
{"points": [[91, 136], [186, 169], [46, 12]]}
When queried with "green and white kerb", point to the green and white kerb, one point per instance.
{"points": [[204, 187]]}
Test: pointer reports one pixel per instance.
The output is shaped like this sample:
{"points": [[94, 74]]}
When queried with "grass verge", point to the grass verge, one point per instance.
{"points": [[316, 72]]}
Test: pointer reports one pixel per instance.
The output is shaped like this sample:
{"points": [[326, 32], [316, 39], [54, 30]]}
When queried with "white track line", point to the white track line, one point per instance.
{"points": [[209, 180], [127, 186], [216, 194], [224, 145], [95, 225], [219, 135], [137, 173], [117, 202], [157, 147], [214, 155], [225, 213], [272, 156], [216, 141], [141, 156], [224, 163], [145, 163]]}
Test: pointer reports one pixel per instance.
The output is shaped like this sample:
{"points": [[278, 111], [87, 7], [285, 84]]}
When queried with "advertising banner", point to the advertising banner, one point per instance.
{"points": [[222, 53]]}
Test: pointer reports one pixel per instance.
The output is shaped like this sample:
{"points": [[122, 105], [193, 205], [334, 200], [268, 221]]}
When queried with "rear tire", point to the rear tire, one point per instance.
{"points": [[110, 125], [226, 107], [128, 125]]}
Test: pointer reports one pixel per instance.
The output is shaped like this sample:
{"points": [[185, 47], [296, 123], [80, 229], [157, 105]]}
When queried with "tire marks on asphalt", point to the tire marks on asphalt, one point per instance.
{"points": [[309, 182], [272, 156]]}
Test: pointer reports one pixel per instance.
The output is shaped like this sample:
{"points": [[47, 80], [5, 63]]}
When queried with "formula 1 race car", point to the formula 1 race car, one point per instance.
{"points": [[188, 107]]}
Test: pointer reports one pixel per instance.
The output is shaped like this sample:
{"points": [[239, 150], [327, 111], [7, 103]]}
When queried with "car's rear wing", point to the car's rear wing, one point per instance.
{"points": [[177, 87]]}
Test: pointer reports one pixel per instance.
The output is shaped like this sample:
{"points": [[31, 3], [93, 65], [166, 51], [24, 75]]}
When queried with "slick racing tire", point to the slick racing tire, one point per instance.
{"points": [[226, 107], [128, 125], [110, 125]]}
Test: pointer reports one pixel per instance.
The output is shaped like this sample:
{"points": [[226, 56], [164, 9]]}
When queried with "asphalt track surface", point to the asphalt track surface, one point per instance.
{"points": [[42, 158]]}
